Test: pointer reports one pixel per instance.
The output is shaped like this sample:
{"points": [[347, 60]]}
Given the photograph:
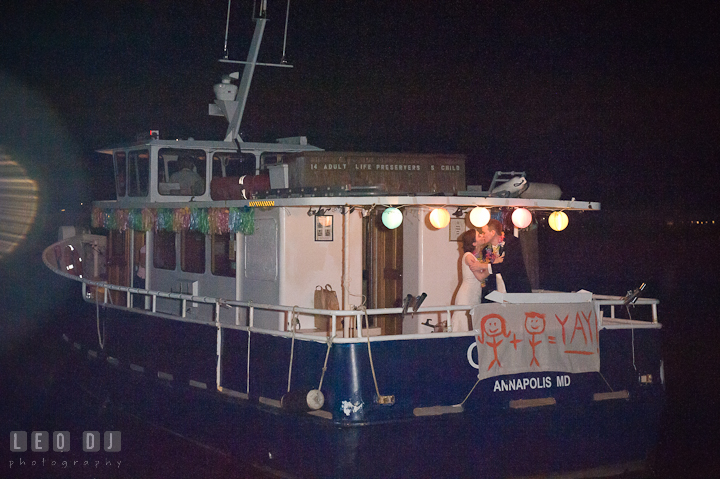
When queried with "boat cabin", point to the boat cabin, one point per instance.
{"points": [[274, 223], [149, 171]]}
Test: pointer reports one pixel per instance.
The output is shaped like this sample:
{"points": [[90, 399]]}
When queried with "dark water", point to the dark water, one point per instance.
{"points": [[37, 392], [678, 264]]}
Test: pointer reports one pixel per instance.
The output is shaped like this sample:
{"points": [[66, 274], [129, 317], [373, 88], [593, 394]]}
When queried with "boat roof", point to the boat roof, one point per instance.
{"points": [[283, 145], [385, 201]]}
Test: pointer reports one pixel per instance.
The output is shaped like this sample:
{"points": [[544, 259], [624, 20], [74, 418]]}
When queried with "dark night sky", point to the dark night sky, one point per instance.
{"points": [[615, 101]]}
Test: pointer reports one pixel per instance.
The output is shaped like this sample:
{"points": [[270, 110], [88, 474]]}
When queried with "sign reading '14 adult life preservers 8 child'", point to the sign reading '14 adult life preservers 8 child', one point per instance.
{"points": [[526, 338]]}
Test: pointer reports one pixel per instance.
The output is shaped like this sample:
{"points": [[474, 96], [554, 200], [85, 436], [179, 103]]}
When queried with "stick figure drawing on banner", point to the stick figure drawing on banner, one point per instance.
{"points": [[493, 326], [534, 324]]}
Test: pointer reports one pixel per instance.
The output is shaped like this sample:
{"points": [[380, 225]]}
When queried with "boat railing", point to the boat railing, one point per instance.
{"points": [[616, 303], [98, 291]]}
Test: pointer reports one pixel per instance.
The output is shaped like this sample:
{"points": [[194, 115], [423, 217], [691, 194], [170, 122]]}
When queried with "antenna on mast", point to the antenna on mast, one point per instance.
{"points": [[262, 9], [287, 15], [227, 26], [230, 100]]}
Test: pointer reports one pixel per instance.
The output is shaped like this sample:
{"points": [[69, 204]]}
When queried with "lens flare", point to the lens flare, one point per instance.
{"points": [[18, 204]]}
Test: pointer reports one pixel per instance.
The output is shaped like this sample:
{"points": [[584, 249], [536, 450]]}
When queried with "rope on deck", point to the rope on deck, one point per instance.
{"points": [[468, 394], [327, 355], [294, 324], [380, 398], [101, 337]]}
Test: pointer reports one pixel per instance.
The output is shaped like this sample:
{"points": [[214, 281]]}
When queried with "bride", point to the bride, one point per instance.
{"points": [[471, 287]]}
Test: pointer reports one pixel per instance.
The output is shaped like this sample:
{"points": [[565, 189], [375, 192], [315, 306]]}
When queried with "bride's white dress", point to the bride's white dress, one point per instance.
{"points": [[468, 294]]}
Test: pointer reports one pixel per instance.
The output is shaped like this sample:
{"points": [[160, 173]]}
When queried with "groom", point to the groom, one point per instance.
{"points": [[505, 260]]}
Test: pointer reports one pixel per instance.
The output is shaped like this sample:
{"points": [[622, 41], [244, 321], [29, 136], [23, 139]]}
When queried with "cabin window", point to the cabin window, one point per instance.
{"points": [[269, 159], [181, 172], [120, 173], [164, 250], [138, 172], [192, 252], [232, 164], [223, 255]]}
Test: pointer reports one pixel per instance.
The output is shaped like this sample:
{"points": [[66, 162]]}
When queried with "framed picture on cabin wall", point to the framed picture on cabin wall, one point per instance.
{"points": [[457, 227], [324, 228]]}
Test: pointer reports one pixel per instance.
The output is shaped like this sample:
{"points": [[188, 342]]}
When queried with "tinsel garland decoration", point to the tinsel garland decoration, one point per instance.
{"points": [[121, 219], [164, 220], [242, 220], [181, 220], [199, 220], [109, 220], [203, 220], [135, 220], [149, 219], [218, 220]]}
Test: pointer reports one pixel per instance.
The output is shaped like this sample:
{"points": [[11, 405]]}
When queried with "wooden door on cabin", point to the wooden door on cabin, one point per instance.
{"points": [[383, 271], [118, 263]]}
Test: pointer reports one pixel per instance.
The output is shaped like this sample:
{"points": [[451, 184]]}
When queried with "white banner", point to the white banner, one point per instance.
{"points": [[528, 338]]}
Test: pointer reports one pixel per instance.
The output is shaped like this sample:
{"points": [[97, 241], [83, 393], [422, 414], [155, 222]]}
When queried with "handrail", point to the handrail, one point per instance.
{"points": [[600, 300], [254, 305], [612, 301], [251, 306]]}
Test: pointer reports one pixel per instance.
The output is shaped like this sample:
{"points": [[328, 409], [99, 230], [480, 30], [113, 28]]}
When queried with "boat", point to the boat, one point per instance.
{"points": [[290, 306]]}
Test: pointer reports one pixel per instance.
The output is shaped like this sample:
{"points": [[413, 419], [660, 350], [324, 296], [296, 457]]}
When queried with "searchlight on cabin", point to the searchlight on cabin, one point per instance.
{"points": [[226, 90]]}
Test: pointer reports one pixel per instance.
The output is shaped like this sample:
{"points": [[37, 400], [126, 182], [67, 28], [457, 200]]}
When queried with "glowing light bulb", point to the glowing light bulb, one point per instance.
{"points": [[558, 220], [479, 217], [521, 218], [439, 218], [392, 218]]}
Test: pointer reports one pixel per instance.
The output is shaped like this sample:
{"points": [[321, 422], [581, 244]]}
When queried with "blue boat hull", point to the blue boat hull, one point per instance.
{"points": [[166, 370]]}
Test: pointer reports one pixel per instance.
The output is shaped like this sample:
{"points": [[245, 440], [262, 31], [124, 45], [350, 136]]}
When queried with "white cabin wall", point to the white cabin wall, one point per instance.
{"points": [[317, 263], [431, 264], [220, 287], [261, 267]]}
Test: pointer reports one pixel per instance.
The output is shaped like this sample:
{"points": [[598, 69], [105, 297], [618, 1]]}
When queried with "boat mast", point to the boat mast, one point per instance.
{"points": [[230, 100], [233, 129]]}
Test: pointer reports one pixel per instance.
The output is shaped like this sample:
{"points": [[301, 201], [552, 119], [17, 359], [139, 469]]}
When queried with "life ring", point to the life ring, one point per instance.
{"points": [[469, 355]]}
